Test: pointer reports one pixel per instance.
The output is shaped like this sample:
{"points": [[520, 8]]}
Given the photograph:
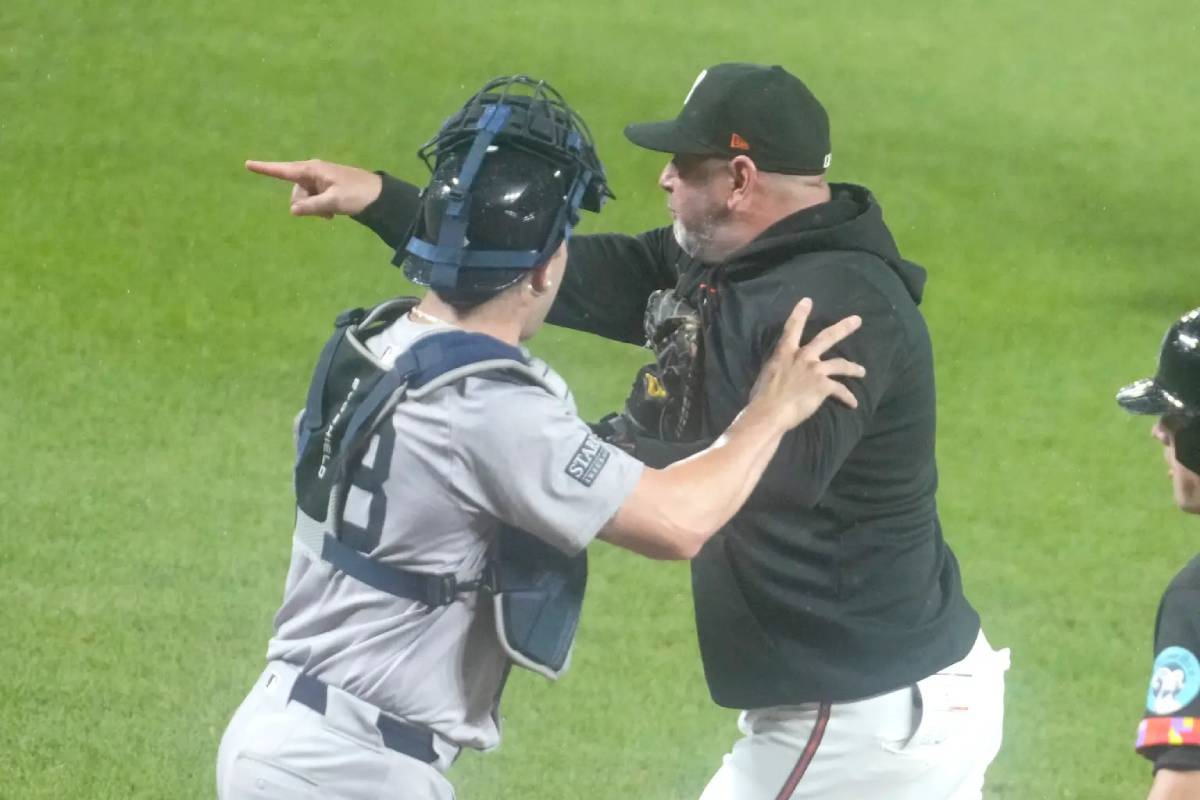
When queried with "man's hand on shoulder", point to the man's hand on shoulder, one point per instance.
{"points": [[321, 188], [796, 379]]}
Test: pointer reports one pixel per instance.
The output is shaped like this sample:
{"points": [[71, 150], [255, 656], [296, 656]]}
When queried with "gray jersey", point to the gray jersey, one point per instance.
{"points": [[432, 491]]}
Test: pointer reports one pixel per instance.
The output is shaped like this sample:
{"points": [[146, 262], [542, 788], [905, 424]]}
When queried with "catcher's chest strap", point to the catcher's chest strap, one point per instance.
{"points": [[432, 589], [433, 361]]}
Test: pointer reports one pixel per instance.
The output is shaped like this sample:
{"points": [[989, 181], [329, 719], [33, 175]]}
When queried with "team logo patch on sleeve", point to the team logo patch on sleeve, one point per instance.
{"points": [[1175, 682], [588, 460]]}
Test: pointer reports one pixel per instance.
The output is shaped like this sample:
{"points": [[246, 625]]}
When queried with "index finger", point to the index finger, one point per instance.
{"points": [[830, 336], [283, 170]]}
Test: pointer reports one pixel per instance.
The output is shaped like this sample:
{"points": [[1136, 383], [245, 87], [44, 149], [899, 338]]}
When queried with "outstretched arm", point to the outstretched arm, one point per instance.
{"points": [[322, 189], [608, 279]]}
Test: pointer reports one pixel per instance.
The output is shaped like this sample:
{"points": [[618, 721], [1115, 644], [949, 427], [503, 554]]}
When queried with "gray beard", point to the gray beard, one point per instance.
{"points": [[692, 242]]}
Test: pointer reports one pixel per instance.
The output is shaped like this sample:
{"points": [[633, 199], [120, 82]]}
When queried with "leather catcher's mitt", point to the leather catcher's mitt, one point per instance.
{"points": [[665, 399]]}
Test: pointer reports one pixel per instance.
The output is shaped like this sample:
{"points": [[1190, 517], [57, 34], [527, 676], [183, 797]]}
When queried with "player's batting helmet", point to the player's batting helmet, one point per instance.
{"points": [[511, 170], [1174, 391]]}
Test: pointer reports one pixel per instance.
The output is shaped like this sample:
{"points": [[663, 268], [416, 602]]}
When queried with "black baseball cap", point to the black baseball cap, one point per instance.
{"points": [[1175, 387], [754, 110]]}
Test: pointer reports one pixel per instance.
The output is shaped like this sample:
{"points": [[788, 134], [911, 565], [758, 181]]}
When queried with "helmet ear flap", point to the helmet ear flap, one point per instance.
{"points": [[595, 193]]}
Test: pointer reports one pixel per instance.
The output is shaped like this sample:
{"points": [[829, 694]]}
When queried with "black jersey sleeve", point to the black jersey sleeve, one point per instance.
{"points": [[392, 213], [1169, 734], [811, 455], [609, 277]]}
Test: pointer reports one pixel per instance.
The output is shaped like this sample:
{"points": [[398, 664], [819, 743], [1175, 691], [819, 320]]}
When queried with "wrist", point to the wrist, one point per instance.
{"points": [[373, 187], [369, 192], [759, 416]]}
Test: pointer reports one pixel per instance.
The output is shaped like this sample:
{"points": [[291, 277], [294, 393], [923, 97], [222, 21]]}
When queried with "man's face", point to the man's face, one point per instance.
{"points": [[1186, 483], [697, 189]]}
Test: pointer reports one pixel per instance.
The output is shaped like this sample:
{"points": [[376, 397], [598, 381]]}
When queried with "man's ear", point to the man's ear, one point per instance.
{"points": [[540, 278], [745, 180], [543, 276]]}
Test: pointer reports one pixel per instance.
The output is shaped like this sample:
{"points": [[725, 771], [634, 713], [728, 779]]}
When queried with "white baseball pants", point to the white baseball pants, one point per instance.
{"points": [[931, 741], [276, 750]]}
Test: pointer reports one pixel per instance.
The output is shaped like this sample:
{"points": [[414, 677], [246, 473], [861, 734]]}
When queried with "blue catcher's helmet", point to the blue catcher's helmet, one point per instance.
{"points": [[511, 170]]}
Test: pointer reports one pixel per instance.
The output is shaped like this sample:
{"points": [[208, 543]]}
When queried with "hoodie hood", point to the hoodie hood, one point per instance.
{"points": [[851, 220]]}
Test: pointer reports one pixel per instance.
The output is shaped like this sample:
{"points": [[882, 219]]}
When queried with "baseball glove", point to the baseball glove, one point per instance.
{"points": [[665, 399]]}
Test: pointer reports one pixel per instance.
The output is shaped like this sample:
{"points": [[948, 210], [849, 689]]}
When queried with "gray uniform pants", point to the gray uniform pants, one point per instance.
{"points": [[276, 750]]}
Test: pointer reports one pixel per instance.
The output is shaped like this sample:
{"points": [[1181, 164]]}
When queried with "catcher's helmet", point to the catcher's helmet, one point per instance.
{"points": [[1174, 391], [511, 170]]}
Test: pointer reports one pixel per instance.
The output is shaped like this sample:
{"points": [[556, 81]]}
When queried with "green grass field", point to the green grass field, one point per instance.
{"points": [[161, 312]]}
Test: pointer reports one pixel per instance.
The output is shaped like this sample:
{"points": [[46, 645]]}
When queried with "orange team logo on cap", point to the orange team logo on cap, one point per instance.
{"points": [[738, 143]]}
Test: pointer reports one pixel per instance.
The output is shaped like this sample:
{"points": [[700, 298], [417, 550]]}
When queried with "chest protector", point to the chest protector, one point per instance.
{"points": [[537, 591]]}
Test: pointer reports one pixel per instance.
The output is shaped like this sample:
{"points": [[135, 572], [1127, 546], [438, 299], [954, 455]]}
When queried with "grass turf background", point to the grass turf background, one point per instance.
{"points": [[161, 312]]}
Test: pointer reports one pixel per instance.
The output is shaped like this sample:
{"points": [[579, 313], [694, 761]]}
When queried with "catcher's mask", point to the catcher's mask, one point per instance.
{"points": [[1174, 391], [511, 170]]}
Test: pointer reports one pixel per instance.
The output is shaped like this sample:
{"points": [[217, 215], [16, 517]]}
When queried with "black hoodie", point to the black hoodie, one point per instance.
{"points": [[833, 583]]}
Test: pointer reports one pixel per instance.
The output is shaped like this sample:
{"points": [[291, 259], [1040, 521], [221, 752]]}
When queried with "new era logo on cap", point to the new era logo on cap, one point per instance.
{"points": [[738, 143]]}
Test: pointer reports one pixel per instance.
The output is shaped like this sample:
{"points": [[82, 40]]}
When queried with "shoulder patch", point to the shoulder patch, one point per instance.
{"points": [[1175, 681], [589, 459]]}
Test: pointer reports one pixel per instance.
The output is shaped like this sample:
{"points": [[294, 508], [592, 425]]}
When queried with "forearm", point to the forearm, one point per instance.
{"points": [[708, 488], [673, 512]]}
